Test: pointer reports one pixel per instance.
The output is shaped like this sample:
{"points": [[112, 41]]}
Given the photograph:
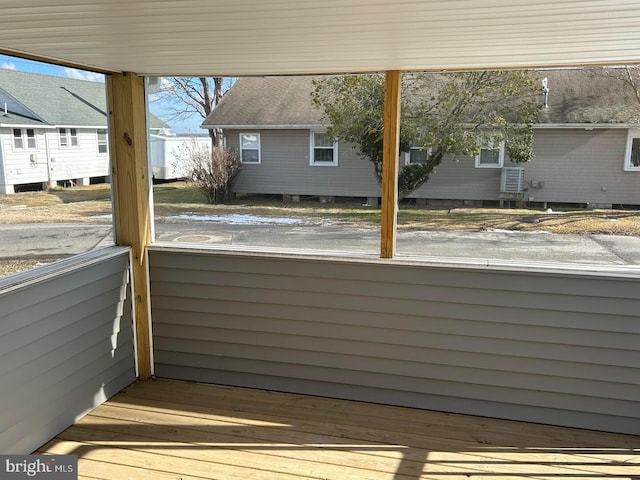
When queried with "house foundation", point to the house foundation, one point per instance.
{"points": [[6, 189]]}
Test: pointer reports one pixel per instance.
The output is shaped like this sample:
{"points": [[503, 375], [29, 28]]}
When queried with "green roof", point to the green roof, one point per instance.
{"points": [[56, 101]]}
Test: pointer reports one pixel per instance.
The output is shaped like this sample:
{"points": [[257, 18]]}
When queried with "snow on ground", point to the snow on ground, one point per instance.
{"points": [[500, 230], [235, 219], [238, 219]]}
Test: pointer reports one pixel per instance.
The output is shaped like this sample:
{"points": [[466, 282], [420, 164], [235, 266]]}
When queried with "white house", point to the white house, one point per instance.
{"points": [[167, 154], [53, 130]]}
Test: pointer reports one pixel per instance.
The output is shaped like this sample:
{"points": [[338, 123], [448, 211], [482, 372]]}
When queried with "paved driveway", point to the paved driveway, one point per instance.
{"points": [[20, 241], [497, 245]]}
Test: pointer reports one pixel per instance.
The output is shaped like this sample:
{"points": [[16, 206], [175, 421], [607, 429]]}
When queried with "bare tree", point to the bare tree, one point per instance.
{"points": [[629, 75], [185, 96]]}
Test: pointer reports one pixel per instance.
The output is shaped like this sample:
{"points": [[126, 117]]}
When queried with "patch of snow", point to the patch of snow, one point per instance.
{"points": [[514, 232], [237, 219], [102, 217]]}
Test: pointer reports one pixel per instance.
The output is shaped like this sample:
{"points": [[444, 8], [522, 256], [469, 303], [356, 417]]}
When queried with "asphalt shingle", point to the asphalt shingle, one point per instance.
{"points": [[57, 100], [576, 96]]}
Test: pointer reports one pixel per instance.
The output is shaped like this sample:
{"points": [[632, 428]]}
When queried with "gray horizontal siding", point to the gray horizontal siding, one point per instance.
{"points": [[285, 169], [582, 166], [575, 166], [461, 180], [66, 345], [560, 348]]}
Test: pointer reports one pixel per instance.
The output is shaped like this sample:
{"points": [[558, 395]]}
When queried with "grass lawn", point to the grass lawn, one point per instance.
{"points": [[93, 204]]}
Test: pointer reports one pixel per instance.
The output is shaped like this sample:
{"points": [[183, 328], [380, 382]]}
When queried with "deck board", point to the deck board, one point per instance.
{"points": [[181, 430]]}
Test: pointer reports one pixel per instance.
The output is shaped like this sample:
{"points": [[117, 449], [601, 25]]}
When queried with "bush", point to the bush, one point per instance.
{"points": [[213, 173]]}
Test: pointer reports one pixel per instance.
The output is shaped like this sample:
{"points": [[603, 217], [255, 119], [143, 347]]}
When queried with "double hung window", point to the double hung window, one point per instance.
{"points": [[324, 151], [250, 147], [68, 137]]}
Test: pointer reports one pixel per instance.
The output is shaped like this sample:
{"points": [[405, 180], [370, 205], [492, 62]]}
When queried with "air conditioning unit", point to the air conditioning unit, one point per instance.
{"points": [[512, 180]]}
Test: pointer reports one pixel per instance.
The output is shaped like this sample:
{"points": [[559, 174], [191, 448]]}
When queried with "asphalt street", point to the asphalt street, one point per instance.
{"points": [[34, 240]]}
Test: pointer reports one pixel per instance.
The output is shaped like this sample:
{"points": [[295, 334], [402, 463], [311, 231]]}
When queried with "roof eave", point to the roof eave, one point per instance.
{"points": [[292, 126], [585, 126]]}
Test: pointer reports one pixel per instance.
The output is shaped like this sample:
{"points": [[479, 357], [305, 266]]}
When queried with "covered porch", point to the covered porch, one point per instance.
{"points": [[544, 344]]}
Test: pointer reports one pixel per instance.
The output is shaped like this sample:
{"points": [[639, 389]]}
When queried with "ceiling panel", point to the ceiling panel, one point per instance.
{"points": [[258, 37]]}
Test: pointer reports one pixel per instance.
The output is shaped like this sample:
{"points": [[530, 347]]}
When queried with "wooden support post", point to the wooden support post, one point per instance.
{"points": [[131, 200], [390, 164]]}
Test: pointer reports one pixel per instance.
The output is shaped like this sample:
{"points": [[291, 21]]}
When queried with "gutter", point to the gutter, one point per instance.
{"points": [[585, 126], [25, 125], [267, 127]]}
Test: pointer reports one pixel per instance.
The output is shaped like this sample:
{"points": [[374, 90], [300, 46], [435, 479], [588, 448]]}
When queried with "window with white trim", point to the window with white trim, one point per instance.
{"points": [[103, 143], [250, 148], [490, 156], [632, 154], [68, 137], [324, 151], [24, 139], [417, 156]]}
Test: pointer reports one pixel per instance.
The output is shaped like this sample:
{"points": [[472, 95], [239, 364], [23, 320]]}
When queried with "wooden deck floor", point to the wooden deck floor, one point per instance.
{"points": [[180, 430]]}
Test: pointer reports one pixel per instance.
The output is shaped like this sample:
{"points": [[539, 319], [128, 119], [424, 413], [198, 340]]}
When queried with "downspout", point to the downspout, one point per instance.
{"points": [[3, 169], [47, 154]]}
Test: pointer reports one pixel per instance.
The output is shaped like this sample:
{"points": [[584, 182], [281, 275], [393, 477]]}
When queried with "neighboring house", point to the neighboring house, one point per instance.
{"points": [[53, 130], [587, 148]]}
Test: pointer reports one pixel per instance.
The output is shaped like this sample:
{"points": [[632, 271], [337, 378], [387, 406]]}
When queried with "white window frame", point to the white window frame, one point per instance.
{"points": [[257, 135], [104, 142], [312, 151], [70, 136], [24, 139], [407, 155], [500, 163], [631, 135]]}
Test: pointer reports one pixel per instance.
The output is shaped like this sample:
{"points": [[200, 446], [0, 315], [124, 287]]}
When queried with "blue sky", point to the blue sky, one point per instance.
{"points": [[189, 125]]}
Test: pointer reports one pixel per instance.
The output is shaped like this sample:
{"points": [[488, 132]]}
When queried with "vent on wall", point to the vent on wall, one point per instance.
{"points": [[512, 180]]}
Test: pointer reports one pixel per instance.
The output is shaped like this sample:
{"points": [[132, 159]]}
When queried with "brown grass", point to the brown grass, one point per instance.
{"points": [[611, 222], [85, 204], [9, 266]]}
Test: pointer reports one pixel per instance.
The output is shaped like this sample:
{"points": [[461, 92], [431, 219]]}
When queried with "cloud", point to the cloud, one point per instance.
{"points": [[83, 75], [8, 65]]}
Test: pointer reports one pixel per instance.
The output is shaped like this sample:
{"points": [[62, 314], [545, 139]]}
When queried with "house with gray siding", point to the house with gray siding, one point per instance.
{"points": [[585, 145], [53, 130]]}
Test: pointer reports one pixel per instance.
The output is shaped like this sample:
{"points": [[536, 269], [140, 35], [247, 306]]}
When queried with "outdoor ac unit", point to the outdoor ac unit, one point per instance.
{"points": [[512, 180]]}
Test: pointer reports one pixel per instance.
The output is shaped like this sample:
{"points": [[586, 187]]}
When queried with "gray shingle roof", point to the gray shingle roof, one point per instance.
{"points": [[56, 100], [266, 101], [578, 96], [588, 96]]}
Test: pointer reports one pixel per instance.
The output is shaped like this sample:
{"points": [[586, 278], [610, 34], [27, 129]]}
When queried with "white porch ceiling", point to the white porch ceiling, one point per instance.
{"points": [[260, 37]]}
